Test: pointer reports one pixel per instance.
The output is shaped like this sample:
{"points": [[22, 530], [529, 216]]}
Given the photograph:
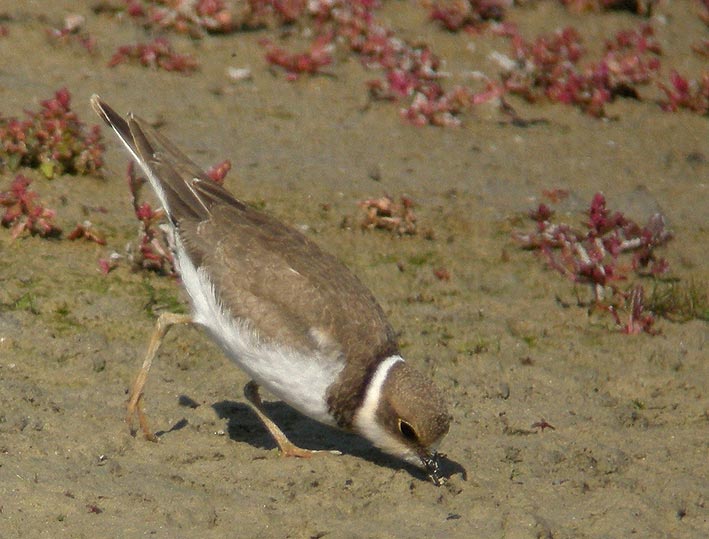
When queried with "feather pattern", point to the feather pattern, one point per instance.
{"points": [[279, 306]]}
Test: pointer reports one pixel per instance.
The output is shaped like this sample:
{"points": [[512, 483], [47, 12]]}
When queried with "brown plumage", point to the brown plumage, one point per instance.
{"points": [[263, 270], [292, 316]]}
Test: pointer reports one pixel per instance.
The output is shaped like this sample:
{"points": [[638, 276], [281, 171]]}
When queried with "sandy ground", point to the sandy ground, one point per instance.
{"points": [[629, 456]]}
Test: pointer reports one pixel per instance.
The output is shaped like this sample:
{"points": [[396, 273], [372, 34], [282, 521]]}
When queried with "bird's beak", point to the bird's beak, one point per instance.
{"points": [[430, 462]]}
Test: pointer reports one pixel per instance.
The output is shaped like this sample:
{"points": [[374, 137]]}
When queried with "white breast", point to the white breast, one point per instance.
{"points": [[298, 380]]}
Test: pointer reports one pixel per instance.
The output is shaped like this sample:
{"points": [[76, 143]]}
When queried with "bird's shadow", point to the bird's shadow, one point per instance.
{"points": [[244, 426]]}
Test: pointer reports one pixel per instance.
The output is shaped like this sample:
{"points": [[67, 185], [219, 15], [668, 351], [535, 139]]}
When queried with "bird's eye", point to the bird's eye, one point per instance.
{"points": [[407, 431]]}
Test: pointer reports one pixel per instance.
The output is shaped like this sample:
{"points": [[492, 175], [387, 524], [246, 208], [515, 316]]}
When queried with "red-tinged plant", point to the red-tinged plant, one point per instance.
{"points": [[592, 255], [158, 54], [218, 172], [543, 424], [283, 11], [24, 212], [641, 7], [442, 274], [53, 140], [687, 94], [630, 60], [153, 251], [195, 17], [640, 40], [107, 265], [467, 14], [184, 16], [87, 231], [408, 70], [550, 67], [384, 213], [310, 62], [540, 65], [639, 319], [64, 37], [410, 73], [440, 110], [609, 249], [72, 33]]}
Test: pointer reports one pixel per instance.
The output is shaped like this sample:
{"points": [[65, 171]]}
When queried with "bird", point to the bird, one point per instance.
{"points": [[296, 320]]}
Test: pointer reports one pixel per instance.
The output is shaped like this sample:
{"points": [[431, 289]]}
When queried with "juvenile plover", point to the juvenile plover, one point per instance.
{"points": [[293, 317]]}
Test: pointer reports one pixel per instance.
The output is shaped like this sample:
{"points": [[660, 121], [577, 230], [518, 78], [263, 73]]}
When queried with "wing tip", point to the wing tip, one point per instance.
{"points": [[99, 106], [111, 117]]}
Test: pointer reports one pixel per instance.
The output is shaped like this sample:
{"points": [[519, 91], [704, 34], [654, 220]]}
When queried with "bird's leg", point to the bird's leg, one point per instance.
{"points": [[288, 448], [135, 406]]}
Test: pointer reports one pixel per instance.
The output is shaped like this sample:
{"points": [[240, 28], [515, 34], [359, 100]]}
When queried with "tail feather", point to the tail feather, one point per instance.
{"points": [[184, 190]]}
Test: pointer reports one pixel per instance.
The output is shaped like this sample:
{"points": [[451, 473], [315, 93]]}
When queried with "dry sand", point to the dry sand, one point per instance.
{"points": [[629, 456]]}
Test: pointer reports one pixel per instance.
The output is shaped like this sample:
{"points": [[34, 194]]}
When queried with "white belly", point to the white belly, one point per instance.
{"points": [[299, 380]]}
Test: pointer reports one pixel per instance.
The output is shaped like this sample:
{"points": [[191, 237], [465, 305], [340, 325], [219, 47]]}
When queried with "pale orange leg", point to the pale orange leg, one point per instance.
{"points": [[288, 448], [135, 401]]}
